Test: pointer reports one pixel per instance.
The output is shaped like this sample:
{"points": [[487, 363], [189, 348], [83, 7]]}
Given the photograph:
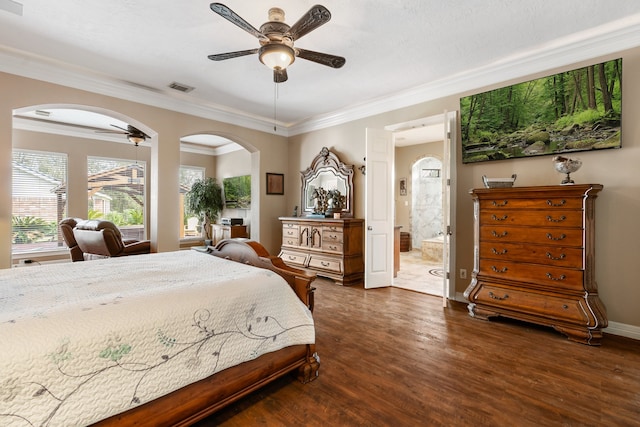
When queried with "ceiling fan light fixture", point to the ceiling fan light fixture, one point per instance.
{"points": [[136, 139], [276, 56]]}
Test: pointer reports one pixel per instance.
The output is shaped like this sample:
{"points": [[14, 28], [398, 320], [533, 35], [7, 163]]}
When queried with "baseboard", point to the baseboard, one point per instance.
{"points": [[614, 328], [623, 330], [460, 298]]}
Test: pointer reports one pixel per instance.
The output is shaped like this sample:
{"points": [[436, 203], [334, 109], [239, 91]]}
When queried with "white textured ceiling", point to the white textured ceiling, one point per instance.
{"points": [[136, 48]]}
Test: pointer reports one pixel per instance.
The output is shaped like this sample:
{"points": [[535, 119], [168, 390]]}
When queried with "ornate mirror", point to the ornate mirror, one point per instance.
{"points": [[327, 186]]}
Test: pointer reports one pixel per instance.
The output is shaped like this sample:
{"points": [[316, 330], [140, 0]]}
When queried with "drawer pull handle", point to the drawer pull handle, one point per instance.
{"points": [[498, 204], [495, 233], [290, 233], [333, 248], [494, 296], [561, 203], [561, 277], [325, 264], [550, 256], [495, 218], [561, 237], [502, 270], [565, 306], [333, 237], [497, 252], [292, 258], [550, 218]]}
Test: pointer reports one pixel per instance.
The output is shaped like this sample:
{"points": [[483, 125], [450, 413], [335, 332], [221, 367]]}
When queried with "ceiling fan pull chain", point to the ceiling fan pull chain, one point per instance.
{"points": [[275, 105]]}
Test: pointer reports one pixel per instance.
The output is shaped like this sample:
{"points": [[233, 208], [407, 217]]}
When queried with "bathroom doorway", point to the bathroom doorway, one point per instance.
{"points": [[440, 131], [420, 215]]}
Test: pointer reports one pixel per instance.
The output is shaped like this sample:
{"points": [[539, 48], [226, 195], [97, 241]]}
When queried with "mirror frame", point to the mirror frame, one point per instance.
{"points": [[326, 161]]}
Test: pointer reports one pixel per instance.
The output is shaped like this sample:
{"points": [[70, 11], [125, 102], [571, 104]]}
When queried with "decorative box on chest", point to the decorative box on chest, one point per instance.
{"points": [[534, 258]]}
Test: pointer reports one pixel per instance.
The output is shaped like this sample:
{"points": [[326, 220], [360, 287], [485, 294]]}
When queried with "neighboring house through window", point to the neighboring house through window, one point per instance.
{"points": [[39, 200], [116, 191]]}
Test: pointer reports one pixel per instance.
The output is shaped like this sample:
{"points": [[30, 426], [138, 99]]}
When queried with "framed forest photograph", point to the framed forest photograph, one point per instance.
{"points": [[576, 110]]}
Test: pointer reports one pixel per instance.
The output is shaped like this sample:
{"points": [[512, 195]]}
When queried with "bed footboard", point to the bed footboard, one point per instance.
{"points": [[197, 401]]}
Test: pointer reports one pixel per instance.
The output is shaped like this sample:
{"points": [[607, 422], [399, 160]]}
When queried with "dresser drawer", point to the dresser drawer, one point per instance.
{"points": [[291, 236], [537, 254], [290, 229], [533, 303], [541, 218], [546, 275], [541, 203], [332, 247], [332, 236], [546, 236], [290, 241], [337, 228], [323, 263], [291, 257]]}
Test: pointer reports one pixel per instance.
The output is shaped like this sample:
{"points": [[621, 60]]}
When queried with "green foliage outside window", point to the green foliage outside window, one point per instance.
{"points": [[29, 229]]}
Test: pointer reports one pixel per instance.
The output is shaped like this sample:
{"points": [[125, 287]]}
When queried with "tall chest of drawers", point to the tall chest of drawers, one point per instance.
{"points": [[534, 258], [332, 248]]}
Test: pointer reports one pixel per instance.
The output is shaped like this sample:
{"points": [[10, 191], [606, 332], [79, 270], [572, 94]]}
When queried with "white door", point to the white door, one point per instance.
{"points": [[448, 205], [378, 265]]}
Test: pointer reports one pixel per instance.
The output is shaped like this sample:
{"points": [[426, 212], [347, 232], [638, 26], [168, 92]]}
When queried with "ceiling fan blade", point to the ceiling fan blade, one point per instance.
{"points": [[315, 17], [121, 128], [112, 131], [280, 76], [229, 55], [332, 61], [234, 18]]}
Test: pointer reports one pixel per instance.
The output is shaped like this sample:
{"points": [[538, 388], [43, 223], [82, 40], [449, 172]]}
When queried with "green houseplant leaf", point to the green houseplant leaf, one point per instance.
{"points": [[205, 201]]}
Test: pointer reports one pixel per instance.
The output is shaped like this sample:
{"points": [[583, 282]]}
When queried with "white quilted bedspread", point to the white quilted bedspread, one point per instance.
{"points": [[83, 341]]}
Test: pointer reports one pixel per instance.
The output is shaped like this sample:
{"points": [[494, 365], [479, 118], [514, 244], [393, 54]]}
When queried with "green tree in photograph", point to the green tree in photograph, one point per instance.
{"points": [[570, 111]]}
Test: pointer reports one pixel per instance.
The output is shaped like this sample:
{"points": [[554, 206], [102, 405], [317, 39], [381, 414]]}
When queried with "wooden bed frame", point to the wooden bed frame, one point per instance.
{"points": [[196, 401]]}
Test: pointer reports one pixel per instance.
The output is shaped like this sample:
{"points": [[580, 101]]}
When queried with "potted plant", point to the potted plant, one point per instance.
{"points": [[204, 200]]}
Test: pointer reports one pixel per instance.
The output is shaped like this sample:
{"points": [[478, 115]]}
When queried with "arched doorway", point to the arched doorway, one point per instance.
{"points": [[426, 212]]}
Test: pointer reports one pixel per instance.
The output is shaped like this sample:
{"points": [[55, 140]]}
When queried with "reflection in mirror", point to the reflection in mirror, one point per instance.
{"points": [[320, 182], [327, 179]]}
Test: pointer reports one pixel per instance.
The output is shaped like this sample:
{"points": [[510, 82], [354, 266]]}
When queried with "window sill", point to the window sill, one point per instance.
{"points": [[40, 257]]}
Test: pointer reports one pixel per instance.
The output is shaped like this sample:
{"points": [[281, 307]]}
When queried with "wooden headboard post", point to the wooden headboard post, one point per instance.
{"points": [[253, 253]]}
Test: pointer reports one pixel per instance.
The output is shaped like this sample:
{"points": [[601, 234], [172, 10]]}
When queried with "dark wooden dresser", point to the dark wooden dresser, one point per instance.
{"points": [[332, 248], [534, 258]]}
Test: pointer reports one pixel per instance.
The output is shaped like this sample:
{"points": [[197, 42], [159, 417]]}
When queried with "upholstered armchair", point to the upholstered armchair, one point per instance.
{"points": [[102, 239], [66, 227]]}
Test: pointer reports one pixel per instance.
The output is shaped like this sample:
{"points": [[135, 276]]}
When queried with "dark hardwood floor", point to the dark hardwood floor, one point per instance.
{"points": [[392, 357]]}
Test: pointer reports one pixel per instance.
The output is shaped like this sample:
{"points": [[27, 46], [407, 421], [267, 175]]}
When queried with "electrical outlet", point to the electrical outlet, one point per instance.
{"points": [[463, 273]]}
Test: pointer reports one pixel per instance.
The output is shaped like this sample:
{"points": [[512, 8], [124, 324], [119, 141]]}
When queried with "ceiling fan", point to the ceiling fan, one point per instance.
{"points": [[134, 134], [277, 39]]}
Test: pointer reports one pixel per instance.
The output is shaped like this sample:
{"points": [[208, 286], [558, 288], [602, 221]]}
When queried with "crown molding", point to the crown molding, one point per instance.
{"points": [[50, 70], [604, 40], [607, 39]]}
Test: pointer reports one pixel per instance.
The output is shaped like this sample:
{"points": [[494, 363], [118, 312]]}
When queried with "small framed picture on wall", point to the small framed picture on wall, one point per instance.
{"points": [[275, 183], [403, 186]]}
